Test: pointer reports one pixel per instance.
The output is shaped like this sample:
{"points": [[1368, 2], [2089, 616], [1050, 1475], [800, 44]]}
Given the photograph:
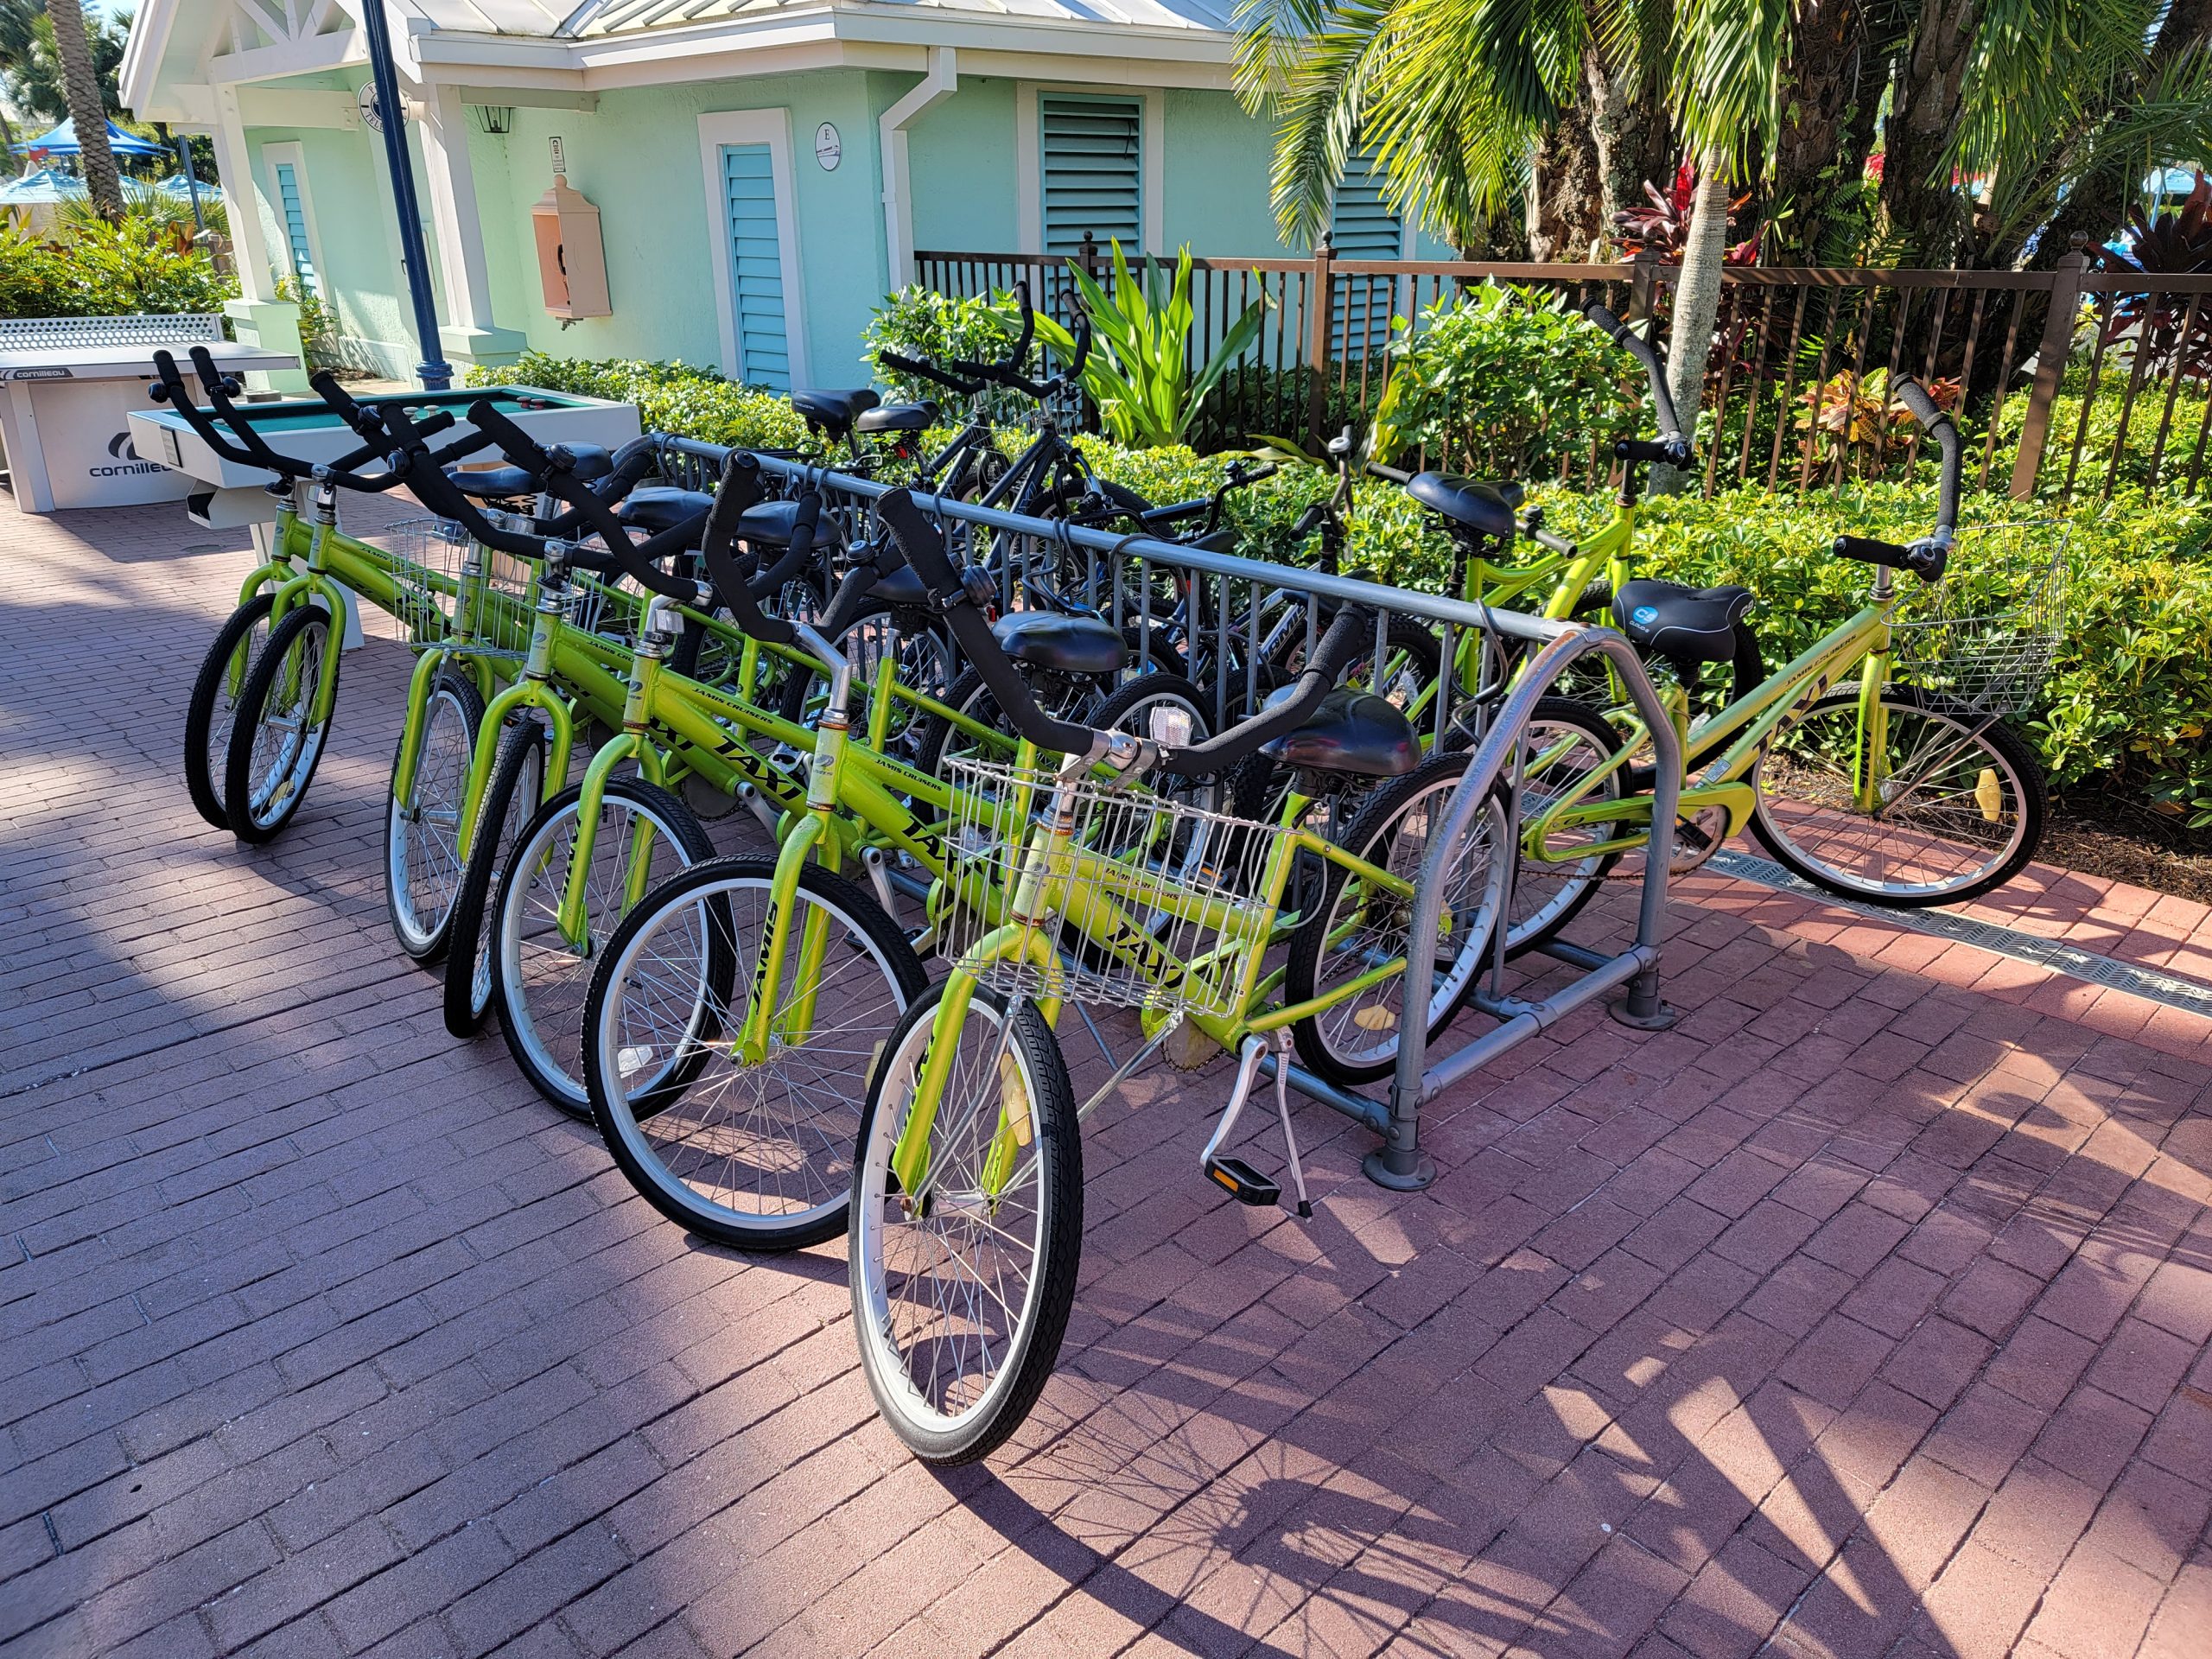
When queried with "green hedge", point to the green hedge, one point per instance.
{"points": [[2128, 706], [106, 271]]}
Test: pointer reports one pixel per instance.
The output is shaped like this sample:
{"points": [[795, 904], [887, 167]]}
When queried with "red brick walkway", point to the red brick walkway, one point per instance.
{"points": [[1864, 1314]]}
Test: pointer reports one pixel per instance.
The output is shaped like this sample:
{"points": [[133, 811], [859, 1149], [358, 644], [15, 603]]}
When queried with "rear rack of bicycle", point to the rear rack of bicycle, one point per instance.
{"points": [[1139, 581]]}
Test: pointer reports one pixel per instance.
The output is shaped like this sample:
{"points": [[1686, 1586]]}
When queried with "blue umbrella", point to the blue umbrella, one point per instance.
{"points": [[62, 141], [35, 189]]}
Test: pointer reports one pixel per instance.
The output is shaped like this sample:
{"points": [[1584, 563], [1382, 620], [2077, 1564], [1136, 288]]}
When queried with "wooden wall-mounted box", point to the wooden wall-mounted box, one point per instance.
{"points": [[571, 259]]}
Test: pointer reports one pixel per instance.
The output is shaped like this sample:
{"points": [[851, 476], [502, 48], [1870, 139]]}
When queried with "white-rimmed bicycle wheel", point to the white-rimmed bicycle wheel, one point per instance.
{"points": [[422, 835], [756, 1153], [961, 1290], [277, 738], [539, 975], [1959, 810]]}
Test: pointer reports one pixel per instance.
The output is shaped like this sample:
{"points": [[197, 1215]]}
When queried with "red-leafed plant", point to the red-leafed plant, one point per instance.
{"points": [[2175, 242], [1663, 226]]}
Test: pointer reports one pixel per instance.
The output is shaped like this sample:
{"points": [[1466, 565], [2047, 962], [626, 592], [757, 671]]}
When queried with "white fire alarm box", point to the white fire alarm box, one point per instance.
{"points": [[571, 259]]}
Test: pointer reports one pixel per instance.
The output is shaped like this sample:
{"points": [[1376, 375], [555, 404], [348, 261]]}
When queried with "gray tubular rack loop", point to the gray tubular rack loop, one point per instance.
{"points": [[1399, 1162]]}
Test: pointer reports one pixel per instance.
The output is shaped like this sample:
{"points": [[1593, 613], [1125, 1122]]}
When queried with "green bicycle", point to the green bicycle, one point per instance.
{"points": [[1895, 792]]}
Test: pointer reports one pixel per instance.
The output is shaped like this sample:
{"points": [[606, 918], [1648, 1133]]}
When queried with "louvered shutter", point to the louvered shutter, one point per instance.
{"points": [[1091, 155], [756, 267], [295, 229], [1362, 225]]}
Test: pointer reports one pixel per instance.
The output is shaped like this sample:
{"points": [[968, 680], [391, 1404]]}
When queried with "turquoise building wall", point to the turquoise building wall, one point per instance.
{"points": [[637, 158]]}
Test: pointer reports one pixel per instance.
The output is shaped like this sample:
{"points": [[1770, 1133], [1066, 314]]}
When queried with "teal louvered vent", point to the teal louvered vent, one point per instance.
{"points": [[295, 229], [1363, 225], [1092, 155], [756, 267]]}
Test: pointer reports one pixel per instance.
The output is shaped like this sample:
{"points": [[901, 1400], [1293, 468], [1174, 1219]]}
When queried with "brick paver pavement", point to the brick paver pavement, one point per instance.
{"points": [[1864, 1314]]}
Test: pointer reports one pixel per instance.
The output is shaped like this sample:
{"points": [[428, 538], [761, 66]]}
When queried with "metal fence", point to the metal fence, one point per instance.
{"points": [[2070, 381]]}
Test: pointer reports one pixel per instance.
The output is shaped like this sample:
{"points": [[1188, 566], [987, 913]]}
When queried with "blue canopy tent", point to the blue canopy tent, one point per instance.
{"points": [[42, 188], [62, 141]]}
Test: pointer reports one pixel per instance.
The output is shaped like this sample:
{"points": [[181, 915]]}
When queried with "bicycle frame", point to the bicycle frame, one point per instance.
{"points": [[1727, 744]]}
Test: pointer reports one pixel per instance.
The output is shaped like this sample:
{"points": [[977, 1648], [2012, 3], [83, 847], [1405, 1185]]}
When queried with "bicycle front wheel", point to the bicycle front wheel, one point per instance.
{"points": [[212, 706], [277, 738], [754, 1151], [643, 835], [962, 1288], [422, 835], [517, 787], [1957, 810]]}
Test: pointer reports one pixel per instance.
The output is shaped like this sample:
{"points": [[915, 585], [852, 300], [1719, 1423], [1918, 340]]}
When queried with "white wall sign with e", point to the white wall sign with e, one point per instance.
{"points": [[828, 148], [560, 156]]}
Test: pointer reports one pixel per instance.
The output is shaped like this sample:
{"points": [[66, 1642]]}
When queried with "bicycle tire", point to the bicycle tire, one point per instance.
{"points": [[733, 1144], [210, 708], [543, 1025], [803, 686], [939, 1438], [1995, 741], [258, 819], [1390, 810], [511, 798], [454, 708]]}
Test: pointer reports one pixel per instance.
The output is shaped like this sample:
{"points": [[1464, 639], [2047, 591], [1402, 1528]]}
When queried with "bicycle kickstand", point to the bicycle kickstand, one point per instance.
{"points": [[1242, 1182]]}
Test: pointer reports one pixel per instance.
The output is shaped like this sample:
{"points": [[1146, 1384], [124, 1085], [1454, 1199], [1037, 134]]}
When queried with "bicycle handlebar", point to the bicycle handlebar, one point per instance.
{"points": [[245, 446], [1929, 558], [929, 372], [739, 488], [1672, 447]]}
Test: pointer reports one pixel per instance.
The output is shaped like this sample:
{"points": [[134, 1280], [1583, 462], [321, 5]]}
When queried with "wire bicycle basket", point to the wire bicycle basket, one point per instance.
{"points": [[1986, 635], [451, 594], [1187, 879]]}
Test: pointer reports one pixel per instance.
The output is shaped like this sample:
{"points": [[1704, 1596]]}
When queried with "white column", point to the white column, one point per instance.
{"points": [[943, 76], [241, 202], [452, 208]]}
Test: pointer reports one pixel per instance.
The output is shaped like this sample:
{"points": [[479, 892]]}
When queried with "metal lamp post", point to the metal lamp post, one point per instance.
{"points": [[434, 372]]}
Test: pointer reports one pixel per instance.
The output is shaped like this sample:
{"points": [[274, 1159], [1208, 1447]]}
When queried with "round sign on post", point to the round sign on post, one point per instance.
{"points": [[365, 101], [829, 148]]}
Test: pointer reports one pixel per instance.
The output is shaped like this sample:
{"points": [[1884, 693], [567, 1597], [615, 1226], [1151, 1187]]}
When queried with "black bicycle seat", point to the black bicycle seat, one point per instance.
{"points": [[1696, 625], [1487, 509], [1063, 644], [835, 410], [588, 462], [657, 507], [772, 524], [1353, 733], [902, 587], [491, 483], [897, 417]]}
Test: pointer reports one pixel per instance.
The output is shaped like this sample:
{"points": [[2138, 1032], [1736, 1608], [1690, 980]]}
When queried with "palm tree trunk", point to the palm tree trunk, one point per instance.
{"points": [[1816, 158], [1931, 86], [87, 111], [1697, 306], [1566, 193]]}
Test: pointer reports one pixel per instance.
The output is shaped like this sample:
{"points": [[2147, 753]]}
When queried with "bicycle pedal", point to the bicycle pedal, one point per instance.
{"points": [[1242, 1182]]}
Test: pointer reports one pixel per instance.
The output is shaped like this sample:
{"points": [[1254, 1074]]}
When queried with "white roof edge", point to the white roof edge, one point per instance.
{"points": [[138, 74]]}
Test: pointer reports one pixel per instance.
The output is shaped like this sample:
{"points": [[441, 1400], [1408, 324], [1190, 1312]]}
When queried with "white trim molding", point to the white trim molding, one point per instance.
{"points": [[772, 128], [1029, 163]]}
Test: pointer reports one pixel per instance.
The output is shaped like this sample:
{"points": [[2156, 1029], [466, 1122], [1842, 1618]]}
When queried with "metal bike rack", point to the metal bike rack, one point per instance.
{"points": [[1399, 1163]]}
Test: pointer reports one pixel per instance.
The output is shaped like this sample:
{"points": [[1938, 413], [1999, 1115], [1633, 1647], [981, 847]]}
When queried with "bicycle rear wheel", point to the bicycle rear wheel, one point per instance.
{"points": [[276, 740], [539, 978], [756, 1153], [421, 836], [517, 785], [961, 1291], [212, 706], [1960, 812]]}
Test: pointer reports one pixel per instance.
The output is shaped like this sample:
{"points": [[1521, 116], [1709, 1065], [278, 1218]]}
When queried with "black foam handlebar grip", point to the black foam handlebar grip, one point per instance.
{"points": [[917, 539], [739, 488], [1020, 354], [966, 388], [1941, 428], [1662, 401]]}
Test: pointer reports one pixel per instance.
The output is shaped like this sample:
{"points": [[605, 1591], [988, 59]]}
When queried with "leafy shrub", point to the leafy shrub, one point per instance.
{"points": [[104, 270], [2128, 705], [1506, 381], [1139, 371], [919, 322], [670, 398]]}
